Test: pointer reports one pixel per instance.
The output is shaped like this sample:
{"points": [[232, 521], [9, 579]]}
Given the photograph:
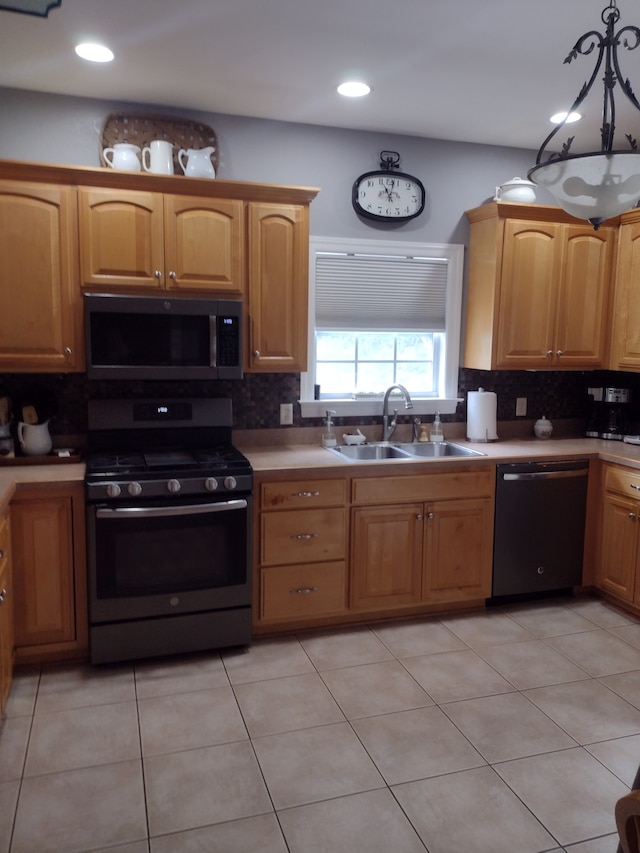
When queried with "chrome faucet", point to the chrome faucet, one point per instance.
{"points": [[389, 428]]}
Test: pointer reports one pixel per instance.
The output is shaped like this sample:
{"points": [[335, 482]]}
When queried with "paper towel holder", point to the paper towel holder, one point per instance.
{"points": [[487, 428]]}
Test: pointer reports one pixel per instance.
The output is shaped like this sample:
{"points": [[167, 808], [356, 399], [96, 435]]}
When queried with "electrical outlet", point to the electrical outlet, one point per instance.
{"points": [[286, 414], [521, 407]]}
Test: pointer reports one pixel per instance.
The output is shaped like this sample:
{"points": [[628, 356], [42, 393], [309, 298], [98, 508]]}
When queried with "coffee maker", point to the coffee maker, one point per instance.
{"points": [[610, 414]]}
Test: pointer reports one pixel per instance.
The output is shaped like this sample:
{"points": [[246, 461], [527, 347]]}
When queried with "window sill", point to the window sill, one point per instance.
{"points": [[373, 407]]}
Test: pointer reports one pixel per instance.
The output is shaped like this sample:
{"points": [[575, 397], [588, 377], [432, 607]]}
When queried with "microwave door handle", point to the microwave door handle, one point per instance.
{"points": [[168, 511], [213, 340]]}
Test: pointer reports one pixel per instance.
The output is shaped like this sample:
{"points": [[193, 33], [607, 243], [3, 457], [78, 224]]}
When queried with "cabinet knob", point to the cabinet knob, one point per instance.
{"points": [[632, 516], [158, 274], [172, 274], [549, 353], [256, 353], [3, 596], [430, 515], [1, 554], [419, 517], [68, 352], [559, 353]]}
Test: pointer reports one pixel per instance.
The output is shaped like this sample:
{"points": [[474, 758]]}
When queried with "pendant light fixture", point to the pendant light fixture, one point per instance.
{"points": [[603, 183], [30, 7]]}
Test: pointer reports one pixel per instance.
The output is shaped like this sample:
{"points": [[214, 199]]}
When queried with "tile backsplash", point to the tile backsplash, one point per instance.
{"points": [[256, 398]]}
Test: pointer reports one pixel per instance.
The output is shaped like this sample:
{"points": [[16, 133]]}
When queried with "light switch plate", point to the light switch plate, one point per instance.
{"points": [[521, 407], [286, 414]]}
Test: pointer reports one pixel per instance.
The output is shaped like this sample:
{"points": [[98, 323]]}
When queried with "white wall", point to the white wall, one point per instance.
{"points": [[57, 129]]}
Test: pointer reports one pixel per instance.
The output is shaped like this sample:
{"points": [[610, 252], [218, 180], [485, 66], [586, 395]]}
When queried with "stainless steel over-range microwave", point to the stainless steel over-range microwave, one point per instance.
{"points": [[162, 337]]}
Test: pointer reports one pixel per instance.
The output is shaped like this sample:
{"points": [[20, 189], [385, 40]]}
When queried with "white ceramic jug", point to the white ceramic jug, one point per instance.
{"points": [[34, 438], [123, 155], [198, 163], [157, 157]]}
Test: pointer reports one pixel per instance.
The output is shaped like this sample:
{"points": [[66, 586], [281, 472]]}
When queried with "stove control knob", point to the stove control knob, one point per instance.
{"points": [[134, 489], [113, 490], [230, 483], [211, 484], [174, 486]]}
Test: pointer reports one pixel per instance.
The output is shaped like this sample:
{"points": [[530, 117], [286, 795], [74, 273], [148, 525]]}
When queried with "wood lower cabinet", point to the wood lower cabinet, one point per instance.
{"points": [[301, 551], [49, 572], [134, 239], [436, 551], [539, 290], [6, 611], [40, 308], [618, 569], [278, 273]]}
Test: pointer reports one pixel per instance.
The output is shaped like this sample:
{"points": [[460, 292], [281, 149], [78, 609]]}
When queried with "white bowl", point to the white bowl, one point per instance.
{"points": [[358, 438]]}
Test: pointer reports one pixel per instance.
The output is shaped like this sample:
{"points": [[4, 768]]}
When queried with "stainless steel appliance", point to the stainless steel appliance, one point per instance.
{"points": [[610, 414], [539, 526], [162, 337], [168, 528]]}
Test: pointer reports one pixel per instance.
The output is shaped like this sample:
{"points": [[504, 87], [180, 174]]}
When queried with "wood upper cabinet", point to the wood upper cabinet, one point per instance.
{"points": [[49, 572], [6, 611], [40, 307], [278, 270], [625, 339], [135, 239], [539, 289]]}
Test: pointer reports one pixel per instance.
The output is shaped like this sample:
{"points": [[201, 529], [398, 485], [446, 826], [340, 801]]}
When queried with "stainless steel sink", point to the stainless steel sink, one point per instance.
{"points": [[384, 450], [437, 449], [368, 452]]}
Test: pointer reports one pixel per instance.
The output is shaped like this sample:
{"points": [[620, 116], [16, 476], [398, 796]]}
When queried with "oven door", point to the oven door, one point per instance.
{"points": [[159, 559]]}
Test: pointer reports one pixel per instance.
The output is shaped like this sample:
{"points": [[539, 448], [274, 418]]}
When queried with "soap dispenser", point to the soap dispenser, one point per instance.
{"points": [[328, 432], [436, 429]]}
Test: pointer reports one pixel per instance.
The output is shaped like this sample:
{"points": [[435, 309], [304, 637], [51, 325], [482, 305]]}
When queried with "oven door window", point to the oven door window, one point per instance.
{"points": [[141, 553]]}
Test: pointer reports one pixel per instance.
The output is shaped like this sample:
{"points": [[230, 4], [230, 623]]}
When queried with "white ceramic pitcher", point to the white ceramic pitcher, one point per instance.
{"points": [[123, 155], [198, 163], [34, 438], [157, 157]]}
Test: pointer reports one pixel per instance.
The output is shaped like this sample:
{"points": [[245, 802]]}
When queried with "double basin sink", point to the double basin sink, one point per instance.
{"points": [[386, 450]]}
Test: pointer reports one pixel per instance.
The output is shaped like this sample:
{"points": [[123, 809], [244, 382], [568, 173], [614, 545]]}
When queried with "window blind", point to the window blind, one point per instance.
{"points": [[380, 292]]}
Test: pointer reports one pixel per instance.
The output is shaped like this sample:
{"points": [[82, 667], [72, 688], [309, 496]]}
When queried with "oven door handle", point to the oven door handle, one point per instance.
{"points": [[168, 511]]}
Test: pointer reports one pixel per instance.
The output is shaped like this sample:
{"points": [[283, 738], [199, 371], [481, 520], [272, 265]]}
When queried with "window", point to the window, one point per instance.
{"points": [[382, 313]]}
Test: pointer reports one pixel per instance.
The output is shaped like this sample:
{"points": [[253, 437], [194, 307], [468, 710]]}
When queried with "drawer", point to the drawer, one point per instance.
{"points": [[303, 493], [294, 592], [302, 536], [425, 487], [623, 481]]}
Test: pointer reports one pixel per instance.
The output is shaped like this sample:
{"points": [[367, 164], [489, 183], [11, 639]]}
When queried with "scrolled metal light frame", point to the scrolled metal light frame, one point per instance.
{"points": [[596, 185], [31, 7]]}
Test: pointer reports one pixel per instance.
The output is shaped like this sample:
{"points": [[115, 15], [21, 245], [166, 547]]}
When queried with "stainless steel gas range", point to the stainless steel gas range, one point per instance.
{"points": [[168, 528]]}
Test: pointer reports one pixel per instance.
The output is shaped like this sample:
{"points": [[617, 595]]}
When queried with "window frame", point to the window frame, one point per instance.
{"points": [[370, 406]]}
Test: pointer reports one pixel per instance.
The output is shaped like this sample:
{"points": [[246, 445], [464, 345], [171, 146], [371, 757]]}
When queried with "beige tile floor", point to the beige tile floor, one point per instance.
{"points": [[511, 730]]}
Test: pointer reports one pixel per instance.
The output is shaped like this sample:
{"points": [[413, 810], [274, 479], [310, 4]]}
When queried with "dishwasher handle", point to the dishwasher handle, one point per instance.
{"points": [[546, 475]]}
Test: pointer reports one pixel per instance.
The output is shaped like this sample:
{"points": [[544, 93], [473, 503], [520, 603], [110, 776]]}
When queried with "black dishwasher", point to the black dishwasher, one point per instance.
{"points": [[539, 527]]}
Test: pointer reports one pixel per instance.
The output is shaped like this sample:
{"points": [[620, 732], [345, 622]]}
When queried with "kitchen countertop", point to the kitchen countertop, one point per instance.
{"points": [[12, 475]]}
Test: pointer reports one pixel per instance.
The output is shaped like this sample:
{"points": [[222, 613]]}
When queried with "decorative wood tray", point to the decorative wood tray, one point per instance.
{"points": [[49, 459], [140, 130]]}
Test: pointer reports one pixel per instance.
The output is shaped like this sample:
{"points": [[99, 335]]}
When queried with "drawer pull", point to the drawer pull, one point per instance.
{"points": [[633, 486], [304, 535], [305, 494], [3, 596], [304, 590], [1, 554]]}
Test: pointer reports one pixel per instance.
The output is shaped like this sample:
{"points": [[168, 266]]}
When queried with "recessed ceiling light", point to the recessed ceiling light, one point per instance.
{"points": [[94, 52], [558, 118], [353, 89]]}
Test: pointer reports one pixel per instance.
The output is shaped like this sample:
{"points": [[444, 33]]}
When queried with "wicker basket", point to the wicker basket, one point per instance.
{"points": [[140, 130]]}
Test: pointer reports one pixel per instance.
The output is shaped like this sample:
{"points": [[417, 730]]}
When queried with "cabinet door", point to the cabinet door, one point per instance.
{"points": [[617, 568], [531, 264], [278, 287], [386, 556], [49, 574], [458, 551], [203, 244], [121, 239], [6, 612], [625, 338], [581, 337], [40, 309]]}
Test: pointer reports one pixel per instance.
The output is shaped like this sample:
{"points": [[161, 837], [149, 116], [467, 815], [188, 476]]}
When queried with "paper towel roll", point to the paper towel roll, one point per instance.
{"points": [[482, 407]]}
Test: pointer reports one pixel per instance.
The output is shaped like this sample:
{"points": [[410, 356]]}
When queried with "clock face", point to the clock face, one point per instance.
{"points": [[388, 197]]}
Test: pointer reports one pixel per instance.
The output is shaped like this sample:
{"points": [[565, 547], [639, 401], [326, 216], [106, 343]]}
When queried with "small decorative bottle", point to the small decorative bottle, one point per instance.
{"points": [[436, 429], [328, 432]]}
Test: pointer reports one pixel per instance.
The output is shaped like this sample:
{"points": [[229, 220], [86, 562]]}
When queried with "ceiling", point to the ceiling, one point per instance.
{"points": [[486, 71]]}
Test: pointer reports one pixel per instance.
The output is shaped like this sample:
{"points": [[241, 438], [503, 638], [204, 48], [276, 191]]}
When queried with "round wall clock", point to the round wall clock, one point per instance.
{"points": [[386, 195]]}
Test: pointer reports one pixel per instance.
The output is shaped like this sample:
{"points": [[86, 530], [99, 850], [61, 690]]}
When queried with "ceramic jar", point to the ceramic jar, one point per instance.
{"points": [[543, 427]]}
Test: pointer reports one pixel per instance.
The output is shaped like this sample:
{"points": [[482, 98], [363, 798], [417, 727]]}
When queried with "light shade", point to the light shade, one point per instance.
{"points": [[30, 7], [592, 186]]}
